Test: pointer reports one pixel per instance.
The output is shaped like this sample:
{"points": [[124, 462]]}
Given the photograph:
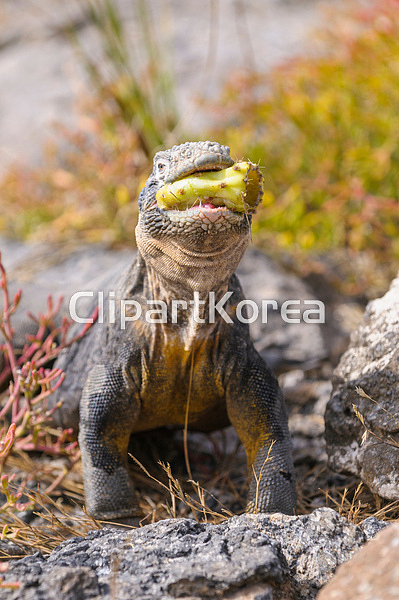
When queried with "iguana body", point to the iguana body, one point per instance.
{"points": [[138, 378]]}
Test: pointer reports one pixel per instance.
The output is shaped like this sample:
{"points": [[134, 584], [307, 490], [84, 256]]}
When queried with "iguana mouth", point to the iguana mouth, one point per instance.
{"points": [[213, 194], [211, 216]]}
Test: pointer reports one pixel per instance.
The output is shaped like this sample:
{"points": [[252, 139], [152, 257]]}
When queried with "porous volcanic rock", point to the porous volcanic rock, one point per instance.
{"points": [[370, 363], [372, 574], [263, 557]]}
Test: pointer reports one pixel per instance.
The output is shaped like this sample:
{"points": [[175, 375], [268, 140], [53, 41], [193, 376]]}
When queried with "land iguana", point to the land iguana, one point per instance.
{"points": [[120, 381]]}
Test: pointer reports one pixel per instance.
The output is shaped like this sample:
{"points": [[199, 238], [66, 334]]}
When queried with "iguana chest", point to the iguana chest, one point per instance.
{"points": [[175, 381]]}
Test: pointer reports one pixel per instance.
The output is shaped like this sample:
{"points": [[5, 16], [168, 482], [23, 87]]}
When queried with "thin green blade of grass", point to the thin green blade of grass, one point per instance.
{"points": [[145, 98]]}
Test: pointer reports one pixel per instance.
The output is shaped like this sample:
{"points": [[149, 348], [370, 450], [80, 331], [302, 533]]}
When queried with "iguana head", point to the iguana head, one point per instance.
{"points": [[199, 228]]}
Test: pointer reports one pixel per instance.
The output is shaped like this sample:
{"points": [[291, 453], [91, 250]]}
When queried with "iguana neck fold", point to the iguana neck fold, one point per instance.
{"points": [[180, 269], [177, 272]]}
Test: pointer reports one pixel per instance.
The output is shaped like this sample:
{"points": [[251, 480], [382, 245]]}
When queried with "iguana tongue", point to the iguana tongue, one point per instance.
{"points": [[203, 205]]}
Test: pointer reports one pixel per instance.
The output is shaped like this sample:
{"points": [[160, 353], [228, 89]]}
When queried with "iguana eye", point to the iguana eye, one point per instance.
{"points": [[161, 168]]}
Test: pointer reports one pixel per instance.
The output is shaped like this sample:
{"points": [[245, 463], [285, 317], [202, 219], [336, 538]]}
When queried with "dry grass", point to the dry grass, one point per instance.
{"points": [[159, 494], [345, 494], [214, 495], [57, 525]]}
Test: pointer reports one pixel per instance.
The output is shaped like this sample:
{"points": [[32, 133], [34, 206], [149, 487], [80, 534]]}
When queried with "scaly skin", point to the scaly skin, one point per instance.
{"points": [[137, 379]]}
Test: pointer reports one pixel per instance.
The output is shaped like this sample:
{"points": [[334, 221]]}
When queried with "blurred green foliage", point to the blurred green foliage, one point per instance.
{"points": [[136, 81], [86, 192], [326, 131]]}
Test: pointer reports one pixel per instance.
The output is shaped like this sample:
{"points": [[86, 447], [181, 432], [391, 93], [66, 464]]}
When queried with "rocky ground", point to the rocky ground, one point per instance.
{"points": [[253, 557], [372, 364]]}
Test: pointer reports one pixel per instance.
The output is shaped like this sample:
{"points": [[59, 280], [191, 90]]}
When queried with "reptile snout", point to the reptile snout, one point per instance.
{"points": [[200, 190], [208, 161]]}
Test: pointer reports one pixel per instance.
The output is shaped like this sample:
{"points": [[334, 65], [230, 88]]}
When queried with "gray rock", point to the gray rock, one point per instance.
{"points": [[71, 584], [60, 270], [282, 344], [371, 363], [371, 526], [9, 548], [249, 556], [313, 545], [372, 574]]}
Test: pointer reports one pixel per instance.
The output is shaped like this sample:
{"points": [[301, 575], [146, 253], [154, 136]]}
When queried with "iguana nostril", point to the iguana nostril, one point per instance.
{"points": [[206, 160]]}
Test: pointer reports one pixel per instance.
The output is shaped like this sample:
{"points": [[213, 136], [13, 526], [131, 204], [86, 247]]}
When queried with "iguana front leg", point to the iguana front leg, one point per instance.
{"points": [[257, 411], [109, 408]]}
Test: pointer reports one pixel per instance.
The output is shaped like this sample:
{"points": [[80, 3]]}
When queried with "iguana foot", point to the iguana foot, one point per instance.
{"points": [[272, 487], [110, 496]]}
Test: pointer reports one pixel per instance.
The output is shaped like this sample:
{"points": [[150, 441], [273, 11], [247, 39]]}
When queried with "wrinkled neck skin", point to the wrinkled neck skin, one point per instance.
{"points": [[176, 267]]}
